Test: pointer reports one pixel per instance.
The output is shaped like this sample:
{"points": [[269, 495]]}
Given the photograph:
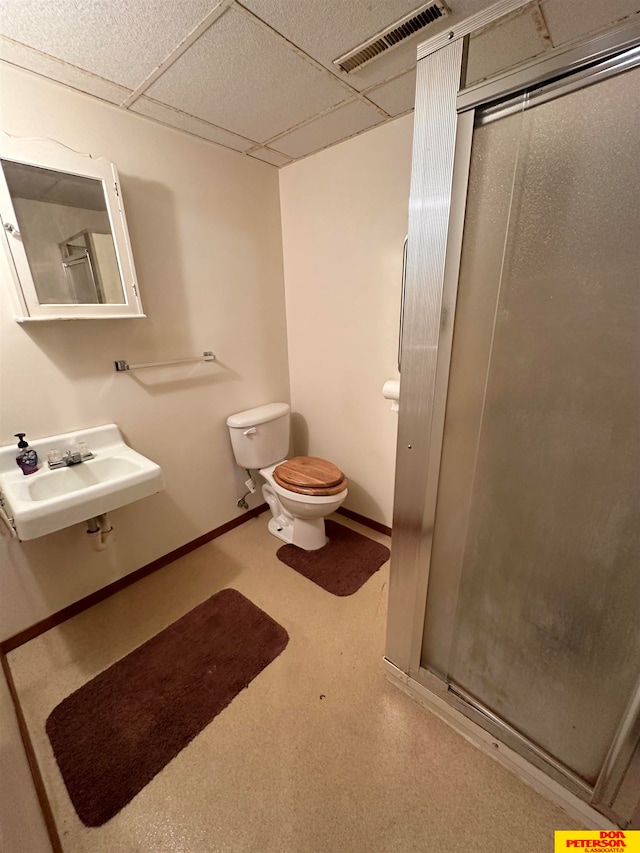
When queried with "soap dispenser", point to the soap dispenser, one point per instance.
{"points": [[27, 458]]}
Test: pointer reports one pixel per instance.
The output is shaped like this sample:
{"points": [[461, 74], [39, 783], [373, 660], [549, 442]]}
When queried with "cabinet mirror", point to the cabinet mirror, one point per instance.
{"points": [[65, 233]]}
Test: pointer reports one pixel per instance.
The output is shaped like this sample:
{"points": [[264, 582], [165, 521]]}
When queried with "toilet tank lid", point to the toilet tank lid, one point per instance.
{"points": [[259, 415]]}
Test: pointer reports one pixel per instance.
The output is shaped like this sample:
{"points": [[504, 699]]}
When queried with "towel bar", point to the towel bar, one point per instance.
{"points": [[121, 364]]}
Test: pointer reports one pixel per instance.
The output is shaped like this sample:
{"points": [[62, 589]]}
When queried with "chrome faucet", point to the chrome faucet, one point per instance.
{"points": [[73, 456]]}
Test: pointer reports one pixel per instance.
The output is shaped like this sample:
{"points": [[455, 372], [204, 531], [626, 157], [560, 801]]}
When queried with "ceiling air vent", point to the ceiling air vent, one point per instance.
{"points": [[392, 36]]}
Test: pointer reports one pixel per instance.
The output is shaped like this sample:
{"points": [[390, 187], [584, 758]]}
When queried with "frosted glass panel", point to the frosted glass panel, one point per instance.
{"points": [[488, 207], [537, 538]]}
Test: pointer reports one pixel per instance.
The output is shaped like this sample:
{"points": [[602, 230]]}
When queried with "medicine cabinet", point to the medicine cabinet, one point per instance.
{"points": [[65, 233]]}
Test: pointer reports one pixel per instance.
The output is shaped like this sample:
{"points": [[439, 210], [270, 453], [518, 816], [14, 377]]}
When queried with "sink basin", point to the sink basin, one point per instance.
{"points": [[90, 473], [47, 501]]}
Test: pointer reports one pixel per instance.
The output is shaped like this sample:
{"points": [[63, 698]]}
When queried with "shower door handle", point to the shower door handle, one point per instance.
{"points": [[402, 289]]}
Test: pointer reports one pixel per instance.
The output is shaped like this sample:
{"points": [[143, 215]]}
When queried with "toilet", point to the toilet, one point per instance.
{"points": [[301, 491]]}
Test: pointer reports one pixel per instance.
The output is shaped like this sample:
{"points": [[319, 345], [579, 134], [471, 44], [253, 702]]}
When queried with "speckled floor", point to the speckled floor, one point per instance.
{"points": [[319, 755]]}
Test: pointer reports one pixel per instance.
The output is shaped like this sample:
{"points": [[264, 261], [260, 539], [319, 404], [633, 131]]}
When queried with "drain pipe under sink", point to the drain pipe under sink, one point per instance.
{"points": [[100, 530]]}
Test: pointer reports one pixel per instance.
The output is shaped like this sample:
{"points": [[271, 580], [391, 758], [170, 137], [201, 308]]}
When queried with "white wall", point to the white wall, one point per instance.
{"points": [[205, 230], [344, 219]]}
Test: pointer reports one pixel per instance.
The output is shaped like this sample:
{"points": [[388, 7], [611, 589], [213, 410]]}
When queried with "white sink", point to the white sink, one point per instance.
{"points": [[49, 500]]}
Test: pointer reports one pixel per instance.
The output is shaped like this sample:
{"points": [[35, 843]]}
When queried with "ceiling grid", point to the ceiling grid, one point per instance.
{"points": [[258, 76], [348, 88], [178, 51]]}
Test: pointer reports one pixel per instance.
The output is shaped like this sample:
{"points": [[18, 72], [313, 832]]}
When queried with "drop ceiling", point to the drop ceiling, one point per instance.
{"points": [[258, 76]]}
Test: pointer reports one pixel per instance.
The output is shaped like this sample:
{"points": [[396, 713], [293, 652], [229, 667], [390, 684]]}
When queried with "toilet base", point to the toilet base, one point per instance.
{"points": [[307, 534]]}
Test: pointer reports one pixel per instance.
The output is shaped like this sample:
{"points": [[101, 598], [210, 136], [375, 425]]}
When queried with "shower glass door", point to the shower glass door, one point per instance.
{"points": [[534, 588]]}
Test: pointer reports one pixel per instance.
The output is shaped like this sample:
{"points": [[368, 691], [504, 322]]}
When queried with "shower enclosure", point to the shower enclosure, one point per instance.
{"points": [[515, 585]]}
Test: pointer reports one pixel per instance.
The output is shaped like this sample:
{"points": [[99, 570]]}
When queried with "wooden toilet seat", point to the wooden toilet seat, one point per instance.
{"points": [[310, 475]]}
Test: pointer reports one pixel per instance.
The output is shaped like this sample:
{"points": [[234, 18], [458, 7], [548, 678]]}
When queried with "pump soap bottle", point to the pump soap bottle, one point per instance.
{"points": [[27, 458]]}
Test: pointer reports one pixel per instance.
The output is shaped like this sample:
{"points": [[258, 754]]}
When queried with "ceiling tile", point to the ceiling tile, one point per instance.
{"points": [[332, 127], [397, 96], [241, 76], [329, 29], [268, 156], [566, 22], [183, 121], [121, 40], [514, 39], [54, 69]]}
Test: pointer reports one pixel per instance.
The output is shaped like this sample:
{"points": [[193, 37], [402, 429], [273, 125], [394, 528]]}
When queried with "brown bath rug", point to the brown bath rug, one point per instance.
{"points": [[114, 734], [345, 563]]}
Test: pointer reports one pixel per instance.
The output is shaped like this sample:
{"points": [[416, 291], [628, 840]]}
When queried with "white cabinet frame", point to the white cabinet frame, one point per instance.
{"points": [[46, 154]]}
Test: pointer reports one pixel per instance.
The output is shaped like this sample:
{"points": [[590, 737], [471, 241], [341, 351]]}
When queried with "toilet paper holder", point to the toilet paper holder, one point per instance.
{"points": [[391, 391]]}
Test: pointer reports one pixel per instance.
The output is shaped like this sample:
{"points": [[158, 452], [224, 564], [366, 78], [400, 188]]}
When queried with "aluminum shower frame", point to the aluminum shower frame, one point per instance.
{"points": [[444, 122]]}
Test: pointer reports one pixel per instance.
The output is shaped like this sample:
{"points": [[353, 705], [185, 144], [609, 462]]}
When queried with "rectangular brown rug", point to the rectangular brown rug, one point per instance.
{"points": [[114, 734], [345, 563]]}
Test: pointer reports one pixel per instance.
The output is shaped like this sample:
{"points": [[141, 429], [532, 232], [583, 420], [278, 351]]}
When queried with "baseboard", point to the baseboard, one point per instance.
{"points": [[99, 595], [362, 519], [486, 743], [38, 782]]}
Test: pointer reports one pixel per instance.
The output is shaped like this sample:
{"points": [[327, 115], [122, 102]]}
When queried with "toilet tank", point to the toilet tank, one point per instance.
{"points": [[260, 436]]}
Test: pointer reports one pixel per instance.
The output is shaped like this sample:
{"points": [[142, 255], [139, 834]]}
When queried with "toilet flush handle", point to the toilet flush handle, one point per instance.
{"points": [[250, 431]]}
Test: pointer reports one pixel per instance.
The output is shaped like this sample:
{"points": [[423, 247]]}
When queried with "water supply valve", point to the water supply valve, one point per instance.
{"points": [[251, 486]]}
